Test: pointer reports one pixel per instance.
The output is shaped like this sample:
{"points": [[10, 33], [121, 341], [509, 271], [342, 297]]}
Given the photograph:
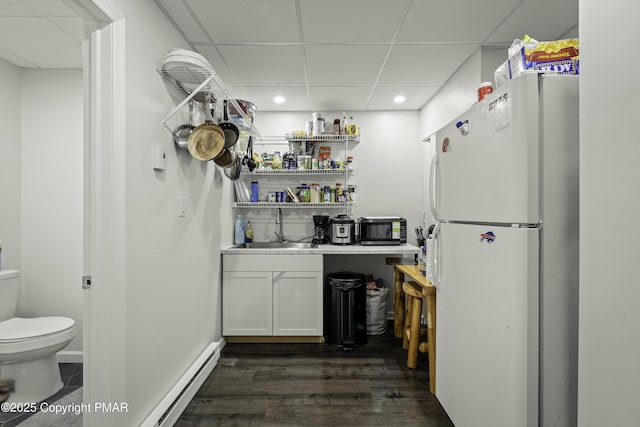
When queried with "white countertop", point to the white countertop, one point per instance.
{"points": [[404, 249]]}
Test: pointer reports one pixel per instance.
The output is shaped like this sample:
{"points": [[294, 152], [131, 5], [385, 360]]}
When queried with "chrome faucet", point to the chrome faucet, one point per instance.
{"points": [[280, 233]]}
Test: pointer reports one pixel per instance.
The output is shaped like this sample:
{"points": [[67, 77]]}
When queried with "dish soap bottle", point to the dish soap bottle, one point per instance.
{"points": [[239, 231], [248, 233]]}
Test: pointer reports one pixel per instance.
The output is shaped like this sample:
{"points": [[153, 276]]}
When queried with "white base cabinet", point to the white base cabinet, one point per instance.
{"points": [[272, 295]]}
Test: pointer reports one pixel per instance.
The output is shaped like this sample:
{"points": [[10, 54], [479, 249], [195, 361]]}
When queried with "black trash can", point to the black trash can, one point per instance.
{"points": [[345, 310]]}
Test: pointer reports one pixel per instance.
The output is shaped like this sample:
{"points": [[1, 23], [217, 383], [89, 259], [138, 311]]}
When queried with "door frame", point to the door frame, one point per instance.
{"points": [[104, 216]]}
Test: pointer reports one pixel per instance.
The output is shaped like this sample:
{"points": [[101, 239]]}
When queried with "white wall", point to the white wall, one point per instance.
{"points": [[52, 196], [173, 264], [388, 175], [456, 96], [10, 154], [387, 162], [609, 348]]}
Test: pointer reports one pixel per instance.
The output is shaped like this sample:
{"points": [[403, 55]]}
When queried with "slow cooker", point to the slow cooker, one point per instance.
{"points": [[342, 230]]}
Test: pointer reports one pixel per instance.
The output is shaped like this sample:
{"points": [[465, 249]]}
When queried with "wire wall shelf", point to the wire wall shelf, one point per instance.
{"points": [[289, 172], [198, 83], [290, 205], [319, 138]]}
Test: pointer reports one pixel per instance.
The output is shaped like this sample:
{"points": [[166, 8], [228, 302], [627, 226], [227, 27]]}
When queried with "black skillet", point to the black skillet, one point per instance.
{"points": [[231, 131]]}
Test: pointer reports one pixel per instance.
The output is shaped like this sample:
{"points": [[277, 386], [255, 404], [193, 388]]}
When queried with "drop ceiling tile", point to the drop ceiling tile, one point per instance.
{"points": [[429, 64], [353, 21], [15, 8], [49, 7], [15, 59], [552, 19], [265, 65], [333, 98], [184, 20], [72, 26], [219, 65], [262, 96], [458, 21], [40, 42], [329, 65], [416, 97], [248, 21]]}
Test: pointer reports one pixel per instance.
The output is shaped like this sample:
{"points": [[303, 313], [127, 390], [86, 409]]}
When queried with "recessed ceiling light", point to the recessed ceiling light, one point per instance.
{"points": [[398, 99], [279, 99]]}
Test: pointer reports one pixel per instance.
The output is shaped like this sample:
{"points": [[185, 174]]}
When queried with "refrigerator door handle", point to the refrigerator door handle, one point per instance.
{"points": [[435, 260], [433, 172]]}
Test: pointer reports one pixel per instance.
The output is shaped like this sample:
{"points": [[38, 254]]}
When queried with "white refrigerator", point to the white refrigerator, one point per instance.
{"points": [[504, 190]]}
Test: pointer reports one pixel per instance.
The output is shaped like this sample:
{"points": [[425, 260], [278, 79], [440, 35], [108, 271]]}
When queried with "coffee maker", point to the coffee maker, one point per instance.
{"points": [[320, 229]]}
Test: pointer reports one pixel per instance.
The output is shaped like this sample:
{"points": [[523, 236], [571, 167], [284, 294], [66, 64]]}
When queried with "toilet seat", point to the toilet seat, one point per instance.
{"points": [[26, 334]]}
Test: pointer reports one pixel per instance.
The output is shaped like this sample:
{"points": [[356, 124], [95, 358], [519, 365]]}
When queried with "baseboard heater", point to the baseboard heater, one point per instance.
{"points": [[175, 402]]}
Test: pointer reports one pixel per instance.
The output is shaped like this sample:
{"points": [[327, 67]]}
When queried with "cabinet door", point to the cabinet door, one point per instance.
{"points": [[246, 303], [297, 303]]}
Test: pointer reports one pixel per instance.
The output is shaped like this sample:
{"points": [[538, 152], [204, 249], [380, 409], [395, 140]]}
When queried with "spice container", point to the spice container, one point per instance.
{"points": [[351, 197], [304, 193], [314, 193], [326, 194], [336, 126]]}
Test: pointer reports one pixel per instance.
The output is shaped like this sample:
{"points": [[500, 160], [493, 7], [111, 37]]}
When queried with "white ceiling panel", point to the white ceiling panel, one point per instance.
{"points": [[184, 20], [72, 26], [460, 21], [331, 65], [423, 64], [416, 97], [15, 8], [266, 65], [40, 42], [352, 21], [219, 65], [541, 19], [296, 98], [49, 7], [339, 98], [248, 21], [15, 59]]}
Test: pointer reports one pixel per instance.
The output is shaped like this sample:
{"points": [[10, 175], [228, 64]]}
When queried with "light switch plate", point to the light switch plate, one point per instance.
{"points": [[159, 158]]}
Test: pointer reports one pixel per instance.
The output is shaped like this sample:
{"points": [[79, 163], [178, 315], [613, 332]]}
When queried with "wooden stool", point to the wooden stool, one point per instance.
{"points": [[412, 333]]}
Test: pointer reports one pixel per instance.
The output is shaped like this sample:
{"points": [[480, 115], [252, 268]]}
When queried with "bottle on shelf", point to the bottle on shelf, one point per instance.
{"points": [[248, 233], [352, 129], [239, 231]]}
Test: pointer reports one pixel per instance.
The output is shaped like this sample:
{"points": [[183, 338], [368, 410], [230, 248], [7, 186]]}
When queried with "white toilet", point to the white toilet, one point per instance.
{"points": [[28, 346]]}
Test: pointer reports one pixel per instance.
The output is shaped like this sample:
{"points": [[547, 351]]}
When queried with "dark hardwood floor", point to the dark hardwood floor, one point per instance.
{"points": [[316, 385]]}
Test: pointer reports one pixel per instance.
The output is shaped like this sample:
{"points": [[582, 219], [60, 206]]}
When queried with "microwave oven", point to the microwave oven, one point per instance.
{"points": [[383, 230]]}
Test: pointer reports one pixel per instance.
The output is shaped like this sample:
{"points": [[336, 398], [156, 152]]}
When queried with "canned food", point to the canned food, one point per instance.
{"points": [[271, 197], [300, 162], [308, 164]]}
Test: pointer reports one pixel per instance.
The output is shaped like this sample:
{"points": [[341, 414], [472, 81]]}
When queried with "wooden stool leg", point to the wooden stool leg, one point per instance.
{"points": [[414, 339], [398, 306], [407, 321]]}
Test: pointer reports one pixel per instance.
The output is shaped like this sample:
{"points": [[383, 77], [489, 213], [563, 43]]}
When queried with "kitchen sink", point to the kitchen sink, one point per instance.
{"points": [[278, 245]]}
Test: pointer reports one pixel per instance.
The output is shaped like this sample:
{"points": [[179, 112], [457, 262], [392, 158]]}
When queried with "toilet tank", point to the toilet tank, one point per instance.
{"points": [[9, 281]]}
